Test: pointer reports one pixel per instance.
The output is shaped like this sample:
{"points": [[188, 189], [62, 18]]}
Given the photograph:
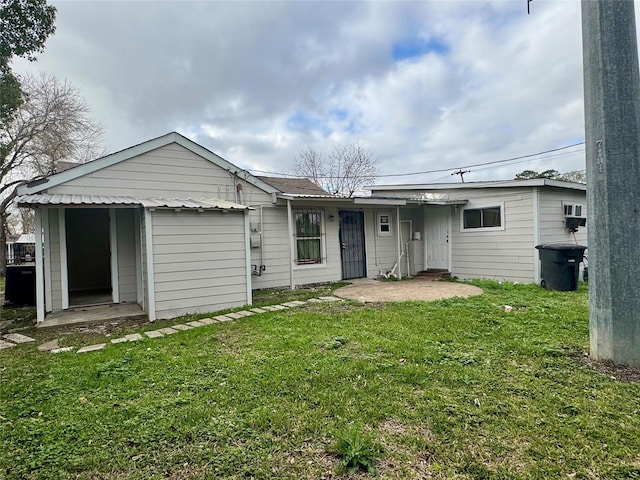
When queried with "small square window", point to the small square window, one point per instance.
{"points": [[384, 224]]}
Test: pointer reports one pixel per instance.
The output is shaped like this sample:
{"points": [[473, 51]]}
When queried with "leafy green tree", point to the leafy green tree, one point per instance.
{"points": [[577, 176], [25, 26]]}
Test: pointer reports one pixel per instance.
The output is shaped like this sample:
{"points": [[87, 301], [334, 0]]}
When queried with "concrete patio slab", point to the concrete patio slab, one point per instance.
{"points": [[420, 288], [119, 340], [94, 314], [207, 321], [258, 310], [223, 318], [134, 337], [196, 323], [154, 334]]}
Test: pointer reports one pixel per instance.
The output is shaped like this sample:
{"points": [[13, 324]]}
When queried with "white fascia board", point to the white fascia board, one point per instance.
{"points": [[379, 201], [39, 185], [534, 182]]}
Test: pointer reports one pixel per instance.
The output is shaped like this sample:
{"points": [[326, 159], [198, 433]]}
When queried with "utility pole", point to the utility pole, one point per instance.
{"points": [[461, 173], [612, 123]]}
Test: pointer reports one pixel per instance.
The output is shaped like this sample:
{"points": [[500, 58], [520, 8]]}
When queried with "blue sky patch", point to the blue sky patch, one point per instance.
{"points": [[300, 121], [417, 47]]}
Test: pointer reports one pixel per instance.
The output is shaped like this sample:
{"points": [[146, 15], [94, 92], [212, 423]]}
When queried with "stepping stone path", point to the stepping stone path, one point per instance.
{"points": [[12, 339]]}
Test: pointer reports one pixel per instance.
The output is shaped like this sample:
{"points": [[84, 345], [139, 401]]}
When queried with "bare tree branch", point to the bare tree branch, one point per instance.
{"points": [[53, 124], [344, 171]]}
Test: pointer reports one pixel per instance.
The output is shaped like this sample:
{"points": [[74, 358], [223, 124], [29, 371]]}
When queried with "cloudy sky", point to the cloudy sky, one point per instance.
{"points": [[430, 85]]}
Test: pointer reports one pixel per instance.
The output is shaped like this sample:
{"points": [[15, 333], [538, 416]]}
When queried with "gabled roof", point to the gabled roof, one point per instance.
{"points": [[294, 186], [39, 185], [534, 182]]}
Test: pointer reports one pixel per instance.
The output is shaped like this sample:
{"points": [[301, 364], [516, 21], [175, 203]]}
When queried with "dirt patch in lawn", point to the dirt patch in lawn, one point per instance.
{"points": [[620, 373], [369, 290]]}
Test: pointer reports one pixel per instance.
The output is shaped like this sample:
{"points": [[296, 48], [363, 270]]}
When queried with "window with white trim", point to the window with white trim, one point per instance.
{"points": [[384, 224], [308, 236], [489, 217]]}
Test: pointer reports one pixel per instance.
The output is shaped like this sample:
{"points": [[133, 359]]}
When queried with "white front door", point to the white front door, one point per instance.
{"points": [[437, 237]]}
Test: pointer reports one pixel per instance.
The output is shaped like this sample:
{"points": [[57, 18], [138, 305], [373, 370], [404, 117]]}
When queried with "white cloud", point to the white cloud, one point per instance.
{"points": [[258, 81]]}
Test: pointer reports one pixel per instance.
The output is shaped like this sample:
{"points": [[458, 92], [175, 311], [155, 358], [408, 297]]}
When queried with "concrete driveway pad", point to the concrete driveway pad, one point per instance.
{"points": [[369, 290]]}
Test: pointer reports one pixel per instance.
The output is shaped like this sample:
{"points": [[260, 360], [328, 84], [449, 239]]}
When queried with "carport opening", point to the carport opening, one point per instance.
{"points": [[88, 256]]}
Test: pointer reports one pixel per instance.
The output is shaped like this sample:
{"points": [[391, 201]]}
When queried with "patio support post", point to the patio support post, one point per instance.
{"points": [[151, 286], [612, 121], [292, 257], [113, 244], [398, 241], [64, 276], [39, 268]]}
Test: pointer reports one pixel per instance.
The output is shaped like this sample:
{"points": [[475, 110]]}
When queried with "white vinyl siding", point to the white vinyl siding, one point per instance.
{"points": [[331, 269], [54, 249], [552, 224], [171, 171], [382, 251], [500, 254], [125, 230], [273, 252], [199, 262]]}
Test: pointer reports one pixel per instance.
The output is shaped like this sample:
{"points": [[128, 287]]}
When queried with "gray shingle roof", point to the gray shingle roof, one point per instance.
{"points": [[300, 186]]}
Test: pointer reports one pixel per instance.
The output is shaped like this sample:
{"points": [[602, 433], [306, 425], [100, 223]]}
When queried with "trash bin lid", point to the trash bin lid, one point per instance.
{"points": [[561, 246]]}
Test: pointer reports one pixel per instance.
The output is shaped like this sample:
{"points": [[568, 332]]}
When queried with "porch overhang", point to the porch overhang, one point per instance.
{"points": [[75, 200]]}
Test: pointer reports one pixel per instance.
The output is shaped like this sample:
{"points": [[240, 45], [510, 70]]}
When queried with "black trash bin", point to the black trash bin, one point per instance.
{"points": [[560, 265], [20, 286]]}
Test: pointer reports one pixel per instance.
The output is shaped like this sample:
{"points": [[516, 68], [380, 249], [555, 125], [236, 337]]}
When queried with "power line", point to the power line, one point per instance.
{"points": [[440, 170]]}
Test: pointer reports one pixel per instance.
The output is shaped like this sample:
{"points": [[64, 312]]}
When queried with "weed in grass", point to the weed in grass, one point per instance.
{"points": [[358, 450]]}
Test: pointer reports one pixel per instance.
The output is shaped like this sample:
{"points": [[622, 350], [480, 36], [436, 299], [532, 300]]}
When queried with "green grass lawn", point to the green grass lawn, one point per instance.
{"points": [[449, 389]]}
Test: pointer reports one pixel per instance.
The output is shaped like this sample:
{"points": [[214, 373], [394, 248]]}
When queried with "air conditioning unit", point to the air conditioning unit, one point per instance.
{"points": [[574, 210], [575, 216]]}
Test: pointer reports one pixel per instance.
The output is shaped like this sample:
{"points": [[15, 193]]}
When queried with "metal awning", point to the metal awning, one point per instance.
{"points": [[74, 200]]}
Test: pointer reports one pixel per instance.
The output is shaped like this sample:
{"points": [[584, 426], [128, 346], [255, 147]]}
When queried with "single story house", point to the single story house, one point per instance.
{"points": [[493, 227], [177, 229]]}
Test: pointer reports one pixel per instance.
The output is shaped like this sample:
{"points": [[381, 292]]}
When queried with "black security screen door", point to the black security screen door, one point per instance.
{"points": [[352, 244]]}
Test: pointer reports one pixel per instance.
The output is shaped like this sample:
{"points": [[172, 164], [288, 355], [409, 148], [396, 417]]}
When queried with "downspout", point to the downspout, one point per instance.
{"points": [[247, 255], [138, 247], [261, 237], [39, 268], [291, 245], [151, 287], [398, 242]]}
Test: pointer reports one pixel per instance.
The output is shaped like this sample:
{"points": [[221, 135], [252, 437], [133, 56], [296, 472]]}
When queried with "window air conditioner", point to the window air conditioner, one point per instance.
{"points": [[574, 216], [574, 210]]}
